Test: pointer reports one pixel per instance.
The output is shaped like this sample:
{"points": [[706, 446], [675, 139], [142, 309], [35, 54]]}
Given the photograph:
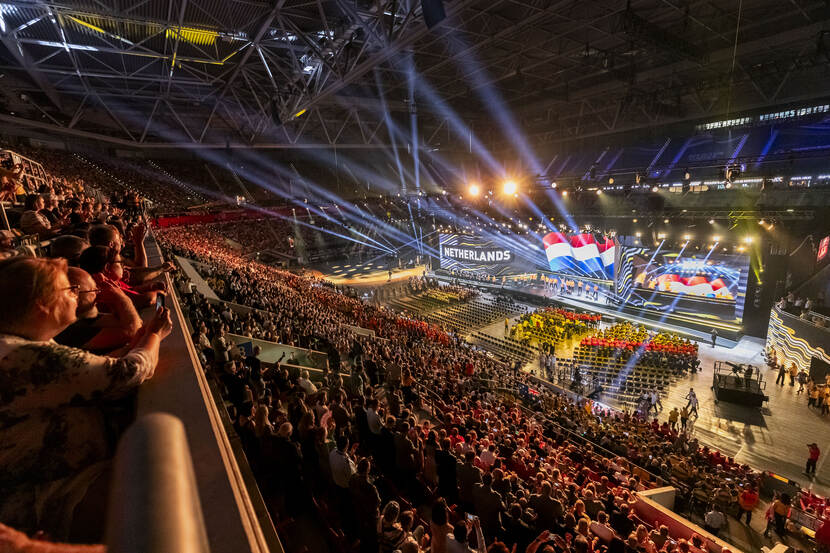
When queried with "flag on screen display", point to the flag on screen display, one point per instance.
{"points": [[581, 254]]}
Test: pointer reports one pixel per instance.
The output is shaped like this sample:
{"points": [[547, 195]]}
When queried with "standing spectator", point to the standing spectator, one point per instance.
{"points": [[674, 414], [714, 337], [802, 380], [747, 501], [366, 501], [812, 459], [342, 469], [780, 514], [439, 527], [458, 542], [468, 476], [782, 374], [714, 520]]}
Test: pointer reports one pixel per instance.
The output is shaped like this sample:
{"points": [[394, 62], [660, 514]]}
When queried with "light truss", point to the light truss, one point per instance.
{"points": [[301, 73]]}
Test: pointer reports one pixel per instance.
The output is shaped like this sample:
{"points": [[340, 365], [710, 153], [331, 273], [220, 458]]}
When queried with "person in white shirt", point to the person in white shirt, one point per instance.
{"points": [[340, 461], [600, 528], [306, 384], [488, 456], [373, 419], [457, 541], [714, 521]]}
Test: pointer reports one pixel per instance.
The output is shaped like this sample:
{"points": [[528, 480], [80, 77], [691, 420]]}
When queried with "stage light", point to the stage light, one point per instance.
{"points": [[610, 180], [553, 185], [661, 235], [655, 189], [666, 221], [474, 190], [711, 221], [565, 193], [716, 238], [741, 248], [762, 222], [599, 192], [638, 234], [510, 187], [687, 237], [747, 240]]}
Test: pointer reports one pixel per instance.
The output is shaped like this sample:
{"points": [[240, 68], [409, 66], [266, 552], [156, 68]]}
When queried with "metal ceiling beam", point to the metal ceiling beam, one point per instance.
{"points": [[28, 65], [18, 121], [659, 74], [390, 50], [263, 28]]}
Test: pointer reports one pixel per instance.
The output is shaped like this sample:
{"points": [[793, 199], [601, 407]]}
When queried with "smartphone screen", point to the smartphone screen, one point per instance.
{"points": [[471, 517], [160, 301]]}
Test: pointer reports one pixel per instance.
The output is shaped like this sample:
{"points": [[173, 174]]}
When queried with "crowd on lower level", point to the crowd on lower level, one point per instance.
{"points": [[415, 430]]}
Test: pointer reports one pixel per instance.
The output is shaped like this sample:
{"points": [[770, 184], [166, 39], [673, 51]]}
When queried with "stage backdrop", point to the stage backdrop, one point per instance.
{"points": [[581, 255]]}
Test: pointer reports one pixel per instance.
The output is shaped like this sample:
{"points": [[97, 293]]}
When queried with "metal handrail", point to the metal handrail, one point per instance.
{"points": [[154, 501]]}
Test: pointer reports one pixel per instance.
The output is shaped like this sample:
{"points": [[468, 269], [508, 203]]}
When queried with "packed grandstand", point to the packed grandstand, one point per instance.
{"points": [[386, 430], [435, 276]]}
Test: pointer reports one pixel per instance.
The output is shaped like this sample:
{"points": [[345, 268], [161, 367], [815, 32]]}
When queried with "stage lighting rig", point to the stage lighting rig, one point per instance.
{"points": [[510, 187], [474, 190]]}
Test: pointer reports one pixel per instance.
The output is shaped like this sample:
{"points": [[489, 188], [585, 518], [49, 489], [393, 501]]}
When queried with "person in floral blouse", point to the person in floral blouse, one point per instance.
{"points": [[52, 433]]}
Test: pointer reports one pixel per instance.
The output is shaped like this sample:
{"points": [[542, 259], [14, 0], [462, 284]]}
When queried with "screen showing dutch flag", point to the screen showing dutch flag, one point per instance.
{"points": [[581, 254]]}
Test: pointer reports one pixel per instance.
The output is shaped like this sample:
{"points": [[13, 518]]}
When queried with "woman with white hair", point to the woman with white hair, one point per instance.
{"points": [[50, 426]]}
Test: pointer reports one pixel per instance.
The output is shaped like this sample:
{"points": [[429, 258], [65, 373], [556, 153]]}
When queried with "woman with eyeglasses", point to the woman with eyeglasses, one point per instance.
{"points": [[53, 438], [93, 330]]}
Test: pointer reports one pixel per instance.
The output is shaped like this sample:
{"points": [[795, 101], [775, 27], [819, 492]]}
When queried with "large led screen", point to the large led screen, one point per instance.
{"points": [[700, 283]]}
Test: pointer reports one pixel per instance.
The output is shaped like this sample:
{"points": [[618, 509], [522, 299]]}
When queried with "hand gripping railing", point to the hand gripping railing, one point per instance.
{"points": [[154, 502]]}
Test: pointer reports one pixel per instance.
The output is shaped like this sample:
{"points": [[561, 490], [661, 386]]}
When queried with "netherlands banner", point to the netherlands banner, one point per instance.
{"points": [[580, 254]]}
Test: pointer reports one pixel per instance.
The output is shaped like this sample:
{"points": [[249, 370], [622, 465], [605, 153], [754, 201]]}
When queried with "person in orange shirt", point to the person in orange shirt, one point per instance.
{"points": [[747, 501]]}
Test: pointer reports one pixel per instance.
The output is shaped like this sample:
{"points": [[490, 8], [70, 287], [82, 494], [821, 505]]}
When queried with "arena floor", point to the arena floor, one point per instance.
{"points": [[366, 274]]}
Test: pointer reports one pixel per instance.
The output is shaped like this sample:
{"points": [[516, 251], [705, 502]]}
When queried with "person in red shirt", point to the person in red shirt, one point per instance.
{"points": [[814, 454], [747, 501]]}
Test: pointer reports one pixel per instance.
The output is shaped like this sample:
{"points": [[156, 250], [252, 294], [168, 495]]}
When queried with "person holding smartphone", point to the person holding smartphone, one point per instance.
{"points": [[458, 541]]}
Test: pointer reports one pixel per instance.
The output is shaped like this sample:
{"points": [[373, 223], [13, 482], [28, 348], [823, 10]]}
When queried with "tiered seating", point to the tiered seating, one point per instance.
{"points": [[474, 314], [623, 380], [418, 304], [508, 349]]}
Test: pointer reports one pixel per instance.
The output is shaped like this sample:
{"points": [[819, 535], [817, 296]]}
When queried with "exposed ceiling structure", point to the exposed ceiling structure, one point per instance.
{"points": [[323, 73]]}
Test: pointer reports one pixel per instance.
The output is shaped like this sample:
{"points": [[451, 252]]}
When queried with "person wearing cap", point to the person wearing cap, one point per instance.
{"points": [[812, 460]]}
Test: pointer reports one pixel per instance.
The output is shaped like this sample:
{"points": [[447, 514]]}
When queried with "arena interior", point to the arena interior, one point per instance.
{"points": [[414, 276]]}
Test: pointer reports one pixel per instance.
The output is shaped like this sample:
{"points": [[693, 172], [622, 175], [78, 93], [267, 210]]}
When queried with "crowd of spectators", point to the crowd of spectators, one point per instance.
{"points": [[811, 309], [80, 331], [407, 437]]}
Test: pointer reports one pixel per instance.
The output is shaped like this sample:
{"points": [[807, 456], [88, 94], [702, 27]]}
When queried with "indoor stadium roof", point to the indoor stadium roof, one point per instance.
{"points": [[309, 73]]}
